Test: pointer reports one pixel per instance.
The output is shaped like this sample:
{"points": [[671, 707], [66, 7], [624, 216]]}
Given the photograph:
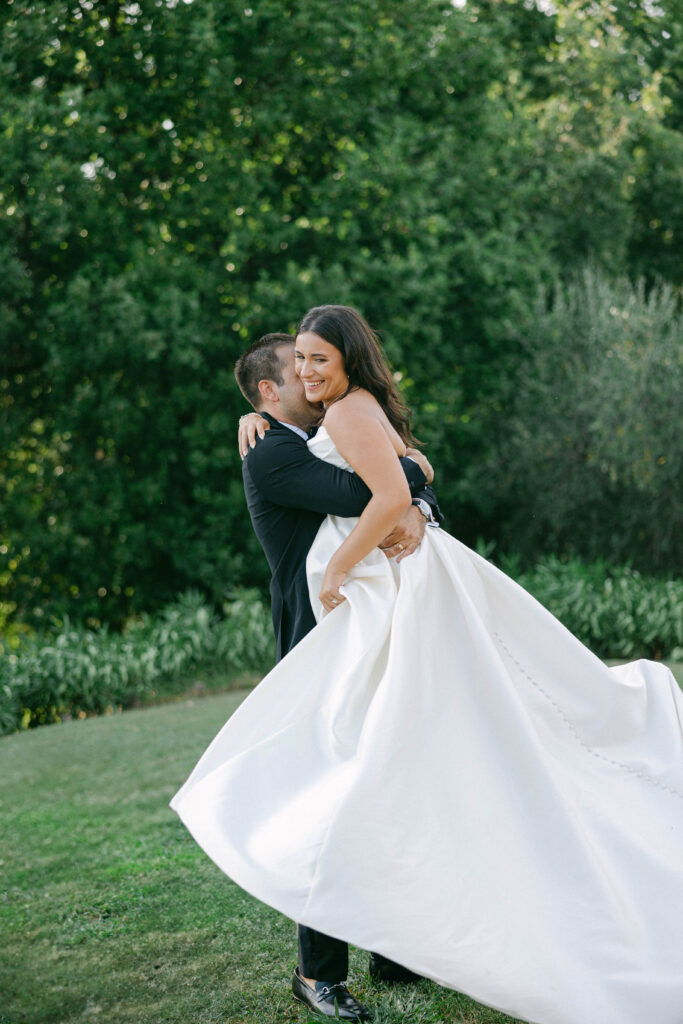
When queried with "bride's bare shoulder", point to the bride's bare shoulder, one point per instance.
{"points": [[358, 403], [358, 420]]}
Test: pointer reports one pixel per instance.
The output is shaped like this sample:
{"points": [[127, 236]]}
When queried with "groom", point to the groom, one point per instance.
{"points": [[289, 492]]}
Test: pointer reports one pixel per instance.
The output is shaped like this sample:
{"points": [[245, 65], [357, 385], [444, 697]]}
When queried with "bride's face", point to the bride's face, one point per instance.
{"points": [[320, 367]]}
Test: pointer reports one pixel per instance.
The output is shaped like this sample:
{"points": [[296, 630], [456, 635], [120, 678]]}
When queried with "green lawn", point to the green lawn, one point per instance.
{"points": [[109, 912]]}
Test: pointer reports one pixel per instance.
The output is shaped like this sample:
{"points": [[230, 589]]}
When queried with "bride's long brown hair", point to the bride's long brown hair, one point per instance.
{"points": [[364, 360]]}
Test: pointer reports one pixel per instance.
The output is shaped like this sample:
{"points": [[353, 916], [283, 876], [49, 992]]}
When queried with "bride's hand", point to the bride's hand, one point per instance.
{"points": [[250, 425], [330, 595], [422, 461]]}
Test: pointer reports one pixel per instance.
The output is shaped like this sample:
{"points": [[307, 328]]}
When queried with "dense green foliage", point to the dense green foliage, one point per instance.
{"points": [[593, 429], [81, 671], [177, 178]]}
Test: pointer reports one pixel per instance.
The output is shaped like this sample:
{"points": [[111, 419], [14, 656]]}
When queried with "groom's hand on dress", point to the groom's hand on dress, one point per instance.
{"points": [[406, 537], [250, 425]]}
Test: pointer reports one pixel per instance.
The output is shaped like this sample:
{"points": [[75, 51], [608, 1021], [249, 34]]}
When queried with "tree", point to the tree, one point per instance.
{"points": [[178, 178], [592, 461]]}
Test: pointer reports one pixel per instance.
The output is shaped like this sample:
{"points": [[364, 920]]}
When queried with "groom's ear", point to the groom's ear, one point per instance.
{"points": [[268, 391]]}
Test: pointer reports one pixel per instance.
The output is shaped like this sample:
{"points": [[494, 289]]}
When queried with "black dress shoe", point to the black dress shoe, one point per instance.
{"points": [[385, 970], [329, 1000]]}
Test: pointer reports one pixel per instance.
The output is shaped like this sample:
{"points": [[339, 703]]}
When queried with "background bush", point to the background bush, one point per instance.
{"points": [[618, 613], [590, 455], [80, 671]]}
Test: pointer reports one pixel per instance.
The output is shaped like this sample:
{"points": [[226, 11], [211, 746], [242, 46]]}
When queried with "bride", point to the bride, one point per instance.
{"points": [[440, 771]]}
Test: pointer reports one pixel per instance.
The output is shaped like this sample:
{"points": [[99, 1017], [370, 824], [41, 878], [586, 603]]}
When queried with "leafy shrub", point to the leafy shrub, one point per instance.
{"points": [[590, 459], [11, 631], [80, 671], [617, 612]]}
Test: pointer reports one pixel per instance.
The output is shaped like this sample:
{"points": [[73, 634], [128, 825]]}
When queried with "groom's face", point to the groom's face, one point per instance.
{"points": [[294, 406]]}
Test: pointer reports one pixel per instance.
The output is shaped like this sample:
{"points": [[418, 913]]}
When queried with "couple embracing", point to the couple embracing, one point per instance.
{"points": [[435, 770]]}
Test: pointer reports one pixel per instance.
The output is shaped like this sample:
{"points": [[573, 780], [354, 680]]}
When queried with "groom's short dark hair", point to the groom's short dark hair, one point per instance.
{"points": [[261, 362]]}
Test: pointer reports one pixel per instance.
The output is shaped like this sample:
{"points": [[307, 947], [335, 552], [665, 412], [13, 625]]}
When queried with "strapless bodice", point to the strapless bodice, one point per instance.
{"points": [[323, 447]]}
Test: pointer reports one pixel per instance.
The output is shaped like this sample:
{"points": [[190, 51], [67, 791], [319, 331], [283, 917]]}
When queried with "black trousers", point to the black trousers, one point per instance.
{"points": [[322, 957]]}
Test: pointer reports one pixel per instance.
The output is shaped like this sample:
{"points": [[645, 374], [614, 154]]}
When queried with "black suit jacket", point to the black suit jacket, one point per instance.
{"points": [[289, 492]]}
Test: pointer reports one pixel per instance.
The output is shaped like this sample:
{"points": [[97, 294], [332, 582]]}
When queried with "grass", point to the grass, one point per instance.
{"points": [[109, 912]]}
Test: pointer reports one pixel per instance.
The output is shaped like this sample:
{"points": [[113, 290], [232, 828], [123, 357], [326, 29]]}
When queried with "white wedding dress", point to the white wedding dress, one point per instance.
{"points": [[442, 773]]}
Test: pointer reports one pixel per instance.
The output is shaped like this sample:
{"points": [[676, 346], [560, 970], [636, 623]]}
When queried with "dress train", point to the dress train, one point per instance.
{"points": [[442, 773]]}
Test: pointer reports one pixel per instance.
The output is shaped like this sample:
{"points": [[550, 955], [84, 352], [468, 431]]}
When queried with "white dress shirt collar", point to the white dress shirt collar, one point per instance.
{"points": [[297, 430]]}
